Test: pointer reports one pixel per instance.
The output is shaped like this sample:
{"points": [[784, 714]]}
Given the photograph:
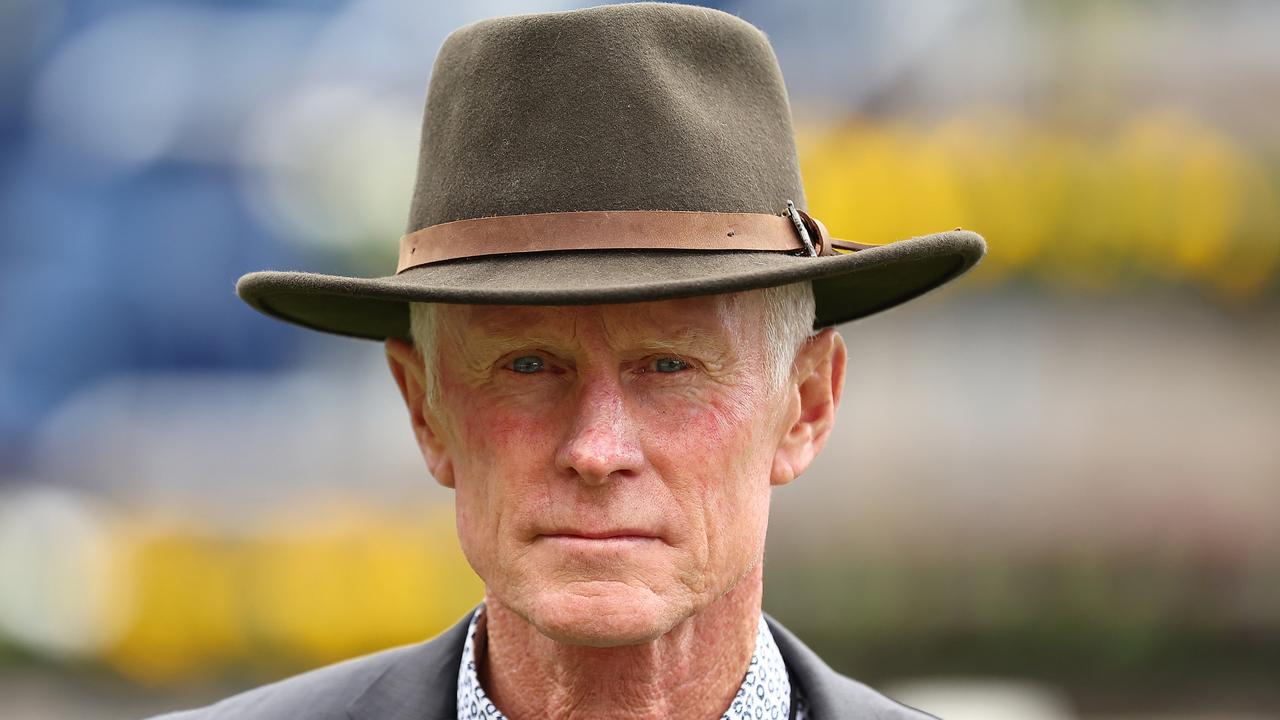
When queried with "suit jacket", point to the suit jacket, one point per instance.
{"points": [[420, 682]]}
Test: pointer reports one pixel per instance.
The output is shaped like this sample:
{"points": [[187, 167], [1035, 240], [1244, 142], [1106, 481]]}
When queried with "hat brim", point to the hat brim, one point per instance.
{"points": [[846, 286]]}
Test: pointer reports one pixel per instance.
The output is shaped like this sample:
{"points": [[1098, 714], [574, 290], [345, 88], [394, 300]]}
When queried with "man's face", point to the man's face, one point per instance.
{"points": [[612, 464]]}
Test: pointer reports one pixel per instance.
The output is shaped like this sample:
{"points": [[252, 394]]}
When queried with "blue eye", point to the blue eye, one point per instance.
{"points": [[670, 365], [528, 364]]}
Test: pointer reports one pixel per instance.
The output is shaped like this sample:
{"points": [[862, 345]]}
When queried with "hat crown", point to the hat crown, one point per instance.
{"points": [[647, 106]]}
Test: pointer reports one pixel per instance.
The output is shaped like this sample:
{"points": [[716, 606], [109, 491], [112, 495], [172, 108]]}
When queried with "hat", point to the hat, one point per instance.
{"points": [[614, 154]]}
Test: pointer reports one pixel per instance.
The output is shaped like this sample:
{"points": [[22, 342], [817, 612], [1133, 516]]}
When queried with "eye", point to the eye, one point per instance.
{"points": [[527, 364], [669, 365]]}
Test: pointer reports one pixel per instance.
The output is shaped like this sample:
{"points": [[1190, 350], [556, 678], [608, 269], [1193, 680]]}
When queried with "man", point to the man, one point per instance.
{"points": [[603, 329]]}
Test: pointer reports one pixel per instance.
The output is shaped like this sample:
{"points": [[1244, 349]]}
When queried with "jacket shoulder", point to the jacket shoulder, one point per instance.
{"points": [[857, 700], [831, 695], [322, 694]]}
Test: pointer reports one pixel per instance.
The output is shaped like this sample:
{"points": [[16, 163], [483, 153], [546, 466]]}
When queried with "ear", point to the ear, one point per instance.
{"points": [[407, 368], [813, 396]]}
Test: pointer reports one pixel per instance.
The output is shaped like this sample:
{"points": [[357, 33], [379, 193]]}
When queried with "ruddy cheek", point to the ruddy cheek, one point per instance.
{"points": [[510, 434], [712, 422], [506, 449], [730, 477]]}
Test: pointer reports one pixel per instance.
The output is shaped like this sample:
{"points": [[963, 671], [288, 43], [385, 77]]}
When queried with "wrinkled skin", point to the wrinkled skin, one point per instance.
{"points": [[613, 464]]}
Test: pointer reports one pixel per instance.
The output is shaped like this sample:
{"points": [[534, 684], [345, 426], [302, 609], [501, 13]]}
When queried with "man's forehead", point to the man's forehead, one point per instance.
{"points": [[706, 317]]}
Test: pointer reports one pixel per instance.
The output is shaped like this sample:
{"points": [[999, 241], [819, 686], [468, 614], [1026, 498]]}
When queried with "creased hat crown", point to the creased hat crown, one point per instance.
{"points": [[634, 107]]}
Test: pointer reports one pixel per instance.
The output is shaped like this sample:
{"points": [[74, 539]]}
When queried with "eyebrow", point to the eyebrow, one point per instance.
{"points": [[489, 345], [689, 340]]}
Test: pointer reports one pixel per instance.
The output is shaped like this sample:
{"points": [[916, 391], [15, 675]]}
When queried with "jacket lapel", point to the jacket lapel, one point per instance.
{"points": [[421, 685], [831, 695]]}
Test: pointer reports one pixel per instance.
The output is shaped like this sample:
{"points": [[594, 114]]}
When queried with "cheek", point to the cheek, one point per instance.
{"points": [[498, 440], [484, 433], [733, 429], [716, 456], [498, 454]]}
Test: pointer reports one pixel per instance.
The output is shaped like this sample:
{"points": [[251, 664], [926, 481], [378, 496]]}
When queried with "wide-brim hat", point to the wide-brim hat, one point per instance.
{"points": [[615, 154]]}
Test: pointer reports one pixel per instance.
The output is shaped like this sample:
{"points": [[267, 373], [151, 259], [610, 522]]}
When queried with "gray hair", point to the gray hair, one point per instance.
{"points": [[788, 314]]}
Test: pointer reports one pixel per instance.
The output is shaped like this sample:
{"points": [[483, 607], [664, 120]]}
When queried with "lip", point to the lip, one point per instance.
{"points": [[624, 534]]}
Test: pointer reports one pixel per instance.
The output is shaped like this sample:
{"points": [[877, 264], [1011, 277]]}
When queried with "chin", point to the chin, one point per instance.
{"points": [[602, 614]]}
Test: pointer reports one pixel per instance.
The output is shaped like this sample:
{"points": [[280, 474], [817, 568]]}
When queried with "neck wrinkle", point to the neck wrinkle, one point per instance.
{"points": [[693, 671]]}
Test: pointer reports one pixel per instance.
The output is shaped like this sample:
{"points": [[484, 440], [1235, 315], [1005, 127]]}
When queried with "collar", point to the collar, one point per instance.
{"points": [[765, 691]]}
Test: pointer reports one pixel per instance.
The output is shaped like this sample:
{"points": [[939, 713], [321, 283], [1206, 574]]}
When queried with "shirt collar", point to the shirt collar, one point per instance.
{"points": [[765, 691]]}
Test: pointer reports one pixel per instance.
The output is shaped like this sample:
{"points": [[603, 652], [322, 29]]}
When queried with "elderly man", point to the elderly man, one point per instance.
{"points": [[603, 328]]}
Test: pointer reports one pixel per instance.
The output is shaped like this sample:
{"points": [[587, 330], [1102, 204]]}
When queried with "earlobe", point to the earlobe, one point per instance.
{"points": [[813, 396], [410, 375]]}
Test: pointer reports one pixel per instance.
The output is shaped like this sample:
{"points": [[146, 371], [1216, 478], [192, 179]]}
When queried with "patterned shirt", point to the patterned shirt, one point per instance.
{"points": [[765, 693]]}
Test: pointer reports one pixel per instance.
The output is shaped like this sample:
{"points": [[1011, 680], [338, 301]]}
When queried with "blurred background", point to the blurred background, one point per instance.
{"points": [[1054, 492]]}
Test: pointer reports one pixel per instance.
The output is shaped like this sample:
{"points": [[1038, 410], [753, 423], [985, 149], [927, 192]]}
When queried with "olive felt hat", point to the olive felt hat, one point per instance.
{"points": [[613, 154]]}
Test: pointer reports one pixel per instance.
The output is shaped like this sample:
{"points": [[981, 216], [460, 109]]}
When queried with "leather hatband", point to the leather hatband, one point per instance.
{"points": [[611, 230]]}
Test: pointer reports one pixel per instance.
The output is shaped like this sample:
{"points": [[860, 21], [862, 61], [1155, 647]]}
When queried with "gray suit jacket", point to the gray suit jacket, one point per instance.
{"points": [[420, 682]]}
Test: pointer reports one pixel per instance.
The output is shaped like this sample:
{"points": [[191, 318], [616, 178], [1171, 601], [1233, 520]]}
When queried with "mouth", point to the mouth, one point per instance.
{"points": [[620, 535]]}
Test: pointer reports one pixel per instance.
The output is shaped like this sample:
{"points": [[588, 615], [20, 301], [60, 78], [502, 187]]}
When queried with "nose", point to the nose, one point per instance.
{"points": [[602, 442]]}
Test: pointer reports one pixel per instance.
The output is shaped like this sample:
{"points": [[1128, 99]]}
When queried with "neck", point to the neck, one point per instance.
{"points": [[692, 671]]}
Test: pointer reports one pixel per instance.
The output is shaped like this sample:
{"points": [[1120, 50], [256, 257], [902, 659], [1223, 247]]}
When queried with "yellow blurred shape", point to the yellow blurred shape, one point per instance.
{"points": [[873, 184], [298, 589], [186, 604], [348, 582], [1247, 268], [1165, 197]]}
